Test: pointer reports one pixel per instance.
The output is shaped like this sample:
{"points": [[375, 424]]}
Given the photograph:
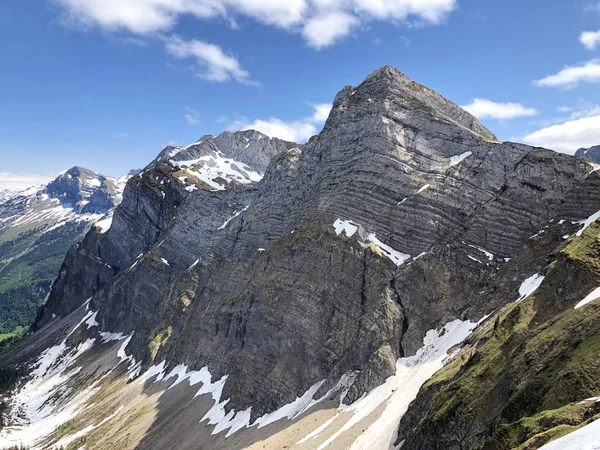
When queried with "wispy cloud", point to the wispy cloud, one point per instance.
{"points": [[571, 76], [592, 7], [296, 130], [484, 108], [581, 109], [213, 64], [122, 135], [192, 116]]}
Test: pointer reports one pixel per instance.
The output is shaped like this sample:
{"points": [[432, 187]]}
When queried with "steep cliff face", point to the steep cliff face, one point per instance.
{"points": [[205, 175], [341, 268]]}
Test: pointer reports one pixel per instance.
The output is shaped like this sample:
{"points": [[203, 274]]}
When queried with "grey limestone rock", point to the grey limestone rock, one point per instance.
{"points": [[250, 278]]}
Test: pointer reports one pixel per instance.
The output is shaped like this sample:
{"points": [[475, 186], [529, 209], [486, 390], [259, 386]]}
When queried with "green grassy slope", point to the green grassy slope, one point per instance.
{"points": [[29, 263], [520, 380]]}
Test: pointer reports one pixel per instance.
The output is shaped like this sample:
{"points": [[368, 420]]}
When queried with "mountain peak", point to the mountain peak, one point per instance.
{"points": [[85, 190], [389, 91], [389, 72]]}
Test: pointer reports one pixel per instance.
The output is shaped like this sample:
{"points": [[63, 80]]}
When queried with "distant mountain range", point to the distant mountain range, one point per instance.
{"points": [[7, 194], [38, 225]]}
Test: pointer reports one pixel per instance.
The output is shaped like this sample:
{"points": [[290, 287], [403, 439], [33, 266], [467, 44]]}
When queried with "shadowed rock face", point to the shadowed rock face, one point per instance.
{"points": [[210, 267]]}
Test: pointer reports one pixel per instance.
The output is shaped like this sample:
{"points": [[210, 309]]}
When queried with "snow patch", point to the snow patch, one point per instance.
{"points": [[110, 337], [345, 226], [587, 222], [489, 255], [350, 228], [397, 257], [474, 259], [585, 438], [36, 408], [104, 225], [222, 227], [424, 188], [457, 159], [594, 295], [529, 286], [402, 388], [217, 171]]}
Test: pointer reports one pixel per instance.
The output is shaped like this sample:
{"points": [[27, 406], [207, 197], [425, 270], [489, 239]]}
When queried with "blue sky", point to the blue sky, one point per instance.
{"points": [[106, 84]]}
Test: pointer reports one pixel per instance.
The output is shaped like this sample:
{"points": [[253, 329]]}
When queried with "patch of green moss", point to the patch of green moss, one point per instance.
{"points": [[532, 432], [519, 379], [585, 248], [160, 336], [65, 429], [186, 298]]}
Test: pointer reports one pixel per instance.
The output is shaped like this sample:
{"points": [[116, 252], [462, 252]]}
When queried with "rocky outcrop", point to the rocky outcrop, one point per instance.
{"points": [[592, 153]]}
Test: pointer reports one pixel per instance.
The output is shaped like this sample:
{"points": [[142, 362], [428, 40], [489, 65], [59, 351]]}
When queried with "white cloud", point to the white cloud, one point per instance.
{"points": [[295, 130], [590, 39], [20, 180], [569, 136], [324, 30], [321, 22], [570, 76], [122, 135], [214, 64], [484, 108], [321, 112]]}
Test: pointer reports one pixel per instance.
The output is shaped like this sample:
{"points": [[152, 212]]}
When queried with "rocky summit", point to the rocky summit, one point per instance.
{"points": [[402, 280]]}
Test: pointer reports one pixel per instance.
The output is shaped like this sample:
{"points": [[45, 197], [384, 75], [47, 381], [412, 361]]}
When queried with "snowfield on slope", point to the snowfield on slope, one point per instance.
{"points": [[349, 228]]}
